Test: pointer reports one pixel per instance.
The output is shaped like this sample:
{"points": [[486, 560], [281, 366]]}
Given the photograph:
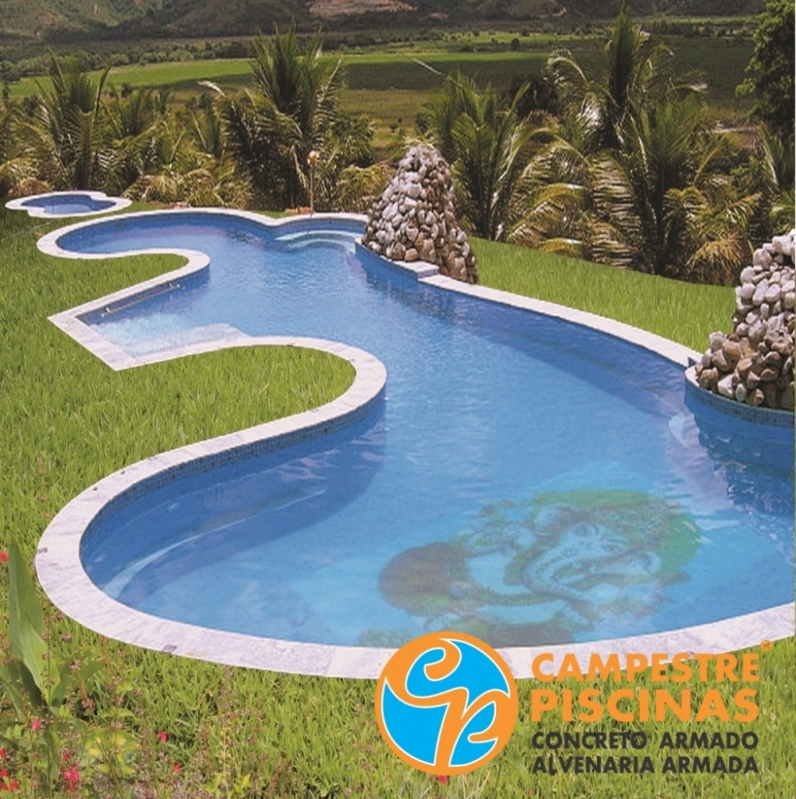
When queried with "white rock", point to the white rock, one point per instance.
{"points": [[716, 341], [760, 292], [725, 387], [740, 392], [746, 291], [756, 332]]}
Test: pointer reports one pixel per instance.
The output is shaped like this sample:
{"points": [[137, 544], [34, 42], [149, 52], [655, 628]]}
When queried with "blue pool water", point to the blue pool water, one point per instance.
{"points": [[526, 479], [65, 204]]}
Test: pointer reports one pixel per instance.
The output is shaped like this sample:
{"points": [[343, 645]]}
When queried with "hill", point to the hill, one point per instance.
{"points": [[46, 21]]}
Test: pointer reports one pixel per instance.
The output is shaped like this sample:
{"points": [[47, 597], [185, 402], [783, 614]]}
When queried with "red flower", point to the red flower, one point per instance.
{"points": [[177, 768], [2, 754], [3, 556], [3, 772], [35, 724], [164, 736], [443, 779], [71, 777]]}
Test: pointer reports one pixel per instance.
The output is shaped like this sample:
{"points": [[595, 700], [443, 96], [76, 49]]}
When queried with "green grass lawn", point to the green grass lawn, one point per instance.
{"points": [[68, 420], [683, 312]]}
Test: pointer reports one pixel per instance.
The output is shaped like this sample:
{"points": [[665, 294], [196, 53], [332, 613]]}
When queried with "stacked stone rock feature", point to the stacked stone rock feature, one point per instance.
{"points": [[415, 219], [754, 364]]}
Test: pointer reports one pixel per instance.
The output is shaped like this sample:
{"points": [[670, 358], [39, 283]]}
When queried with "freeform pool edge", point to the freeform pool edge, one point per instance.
{"points": [[60, 570]]}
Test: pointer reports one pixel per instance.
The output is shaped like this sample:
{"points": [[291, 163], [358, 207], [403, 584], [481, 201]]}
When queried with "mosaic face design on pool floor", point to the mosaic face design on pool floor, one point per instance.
{"points": [[546, 570]]}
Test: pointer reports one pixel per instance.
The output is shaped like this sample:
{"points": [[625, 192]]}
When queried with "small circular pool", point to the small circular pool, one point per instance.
{"points": [[61, 204]]}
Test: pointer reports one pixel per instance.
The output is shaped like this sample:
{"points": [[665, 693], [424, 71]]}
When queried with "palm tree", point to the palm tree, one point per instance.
{"points": [[179, 171], [293, 110], [774, 170], [255, 147], [574, 203], [693, 218], [637, 71], [133, 127], [486, 147], [67, 139], [12, 169], [631, 175]]}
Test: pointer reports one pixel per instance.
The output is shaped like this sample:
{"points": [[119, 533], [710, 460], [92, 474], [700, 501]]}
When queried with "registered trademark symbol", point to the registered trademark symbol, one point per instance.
{"points": [[766, 645]]}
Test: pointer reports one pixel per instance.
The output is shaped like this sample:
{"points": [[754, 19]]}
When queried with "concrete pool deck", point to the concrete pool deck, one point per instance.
{"points": [[58, 561]]}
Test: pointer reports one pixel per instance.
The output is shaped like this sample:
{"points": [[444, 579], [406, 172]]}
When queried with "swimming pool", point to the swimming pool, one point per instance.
{"points": [[527, 476], [59, 204]]}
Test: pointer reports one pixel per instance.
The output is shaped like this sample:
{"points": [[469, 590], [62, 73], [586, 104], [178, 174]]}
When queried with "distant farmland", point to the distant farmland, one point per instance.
{"points": [[391, 85]]}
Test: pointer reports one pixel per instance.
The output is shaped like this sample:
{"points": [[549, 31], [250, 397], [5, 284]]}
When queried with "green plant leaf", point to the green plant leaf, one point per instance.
{"points": [[26, 622], [20, 688]]}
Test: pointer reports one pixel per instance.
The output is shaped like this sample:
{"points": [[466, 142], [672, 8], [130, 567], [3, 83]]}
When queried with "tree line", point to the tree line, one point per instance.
{"points": [[621, 168]]}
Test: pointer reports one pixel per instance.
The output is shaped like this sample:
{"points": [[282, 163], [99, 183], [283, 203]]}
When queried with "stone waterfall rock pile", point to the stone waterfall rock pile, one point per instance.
{"points": [[754, 364], [415, 219]]}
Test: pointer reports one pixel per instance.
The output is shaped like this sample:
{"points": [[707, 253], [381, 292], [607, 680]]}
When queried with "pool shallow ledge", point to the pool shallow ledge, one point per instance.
{"points": [[65, 581]]}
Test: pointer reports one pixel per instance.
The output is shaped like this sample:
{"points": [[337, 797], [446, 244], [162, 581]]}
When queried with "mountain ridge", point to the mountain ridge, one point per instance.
{"points": [[43, 20]]}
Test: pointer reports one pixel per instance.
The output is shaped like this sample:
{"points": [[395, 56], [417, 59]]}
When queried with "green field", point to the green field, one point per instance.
{"points": [[720, 60], [176, 75]]}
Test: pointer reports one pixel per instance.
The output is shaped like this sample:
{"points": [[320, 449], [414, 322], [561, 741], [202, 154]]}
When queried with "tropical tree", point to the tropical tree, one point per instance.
{"points": [[11, 169], [292, 111], [573, 203], [178, 170], [485, 143], [771, 69], [769, 171], [770, 79], [632, 175], [637, 71], [133, 128], [67, 140]]}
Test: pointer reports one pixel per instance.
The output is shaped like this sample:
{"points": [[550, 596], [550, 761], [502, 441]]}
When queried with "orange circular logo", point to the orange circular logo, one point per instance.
{"points": [[446, 703]]}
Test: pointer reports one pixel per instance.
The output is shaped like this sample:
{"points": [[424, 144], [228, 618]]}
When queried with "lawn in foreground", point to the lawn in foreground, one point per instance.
{"points": [[68, 420]]}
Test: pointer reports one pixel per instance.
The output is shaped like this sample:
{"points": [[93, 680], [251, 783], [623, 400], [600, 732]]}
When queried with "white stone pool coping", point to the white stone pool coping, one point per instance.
{"points": [[20, 204], [58, 563]]}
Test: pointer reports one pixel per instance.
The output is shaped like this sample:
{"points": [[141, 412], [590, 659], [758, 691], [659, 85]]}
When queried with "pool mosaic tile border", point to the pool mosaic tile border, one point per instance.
{"points": [[767, 416], [68, 586], [19, 204]]}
